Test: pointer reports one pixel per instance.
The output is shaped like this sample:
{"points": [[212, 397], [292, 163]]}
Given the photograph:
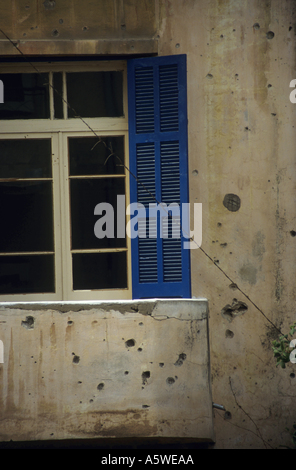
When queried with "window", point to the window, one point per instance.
{"points": [[59, 159]]}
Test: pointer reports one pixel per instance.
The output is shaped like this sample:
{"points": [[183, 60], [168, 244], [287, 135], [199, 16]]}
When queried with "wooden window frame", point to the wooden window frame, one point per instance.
{"points": [[59, 130]]}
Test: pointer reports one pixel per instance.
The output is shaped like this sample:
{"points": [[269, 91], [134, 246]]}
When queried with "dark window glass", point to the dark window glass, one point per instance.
{"points": [[90, 156], [99, 271], [26, 96], [27, 274], [95, 94], [85, 195], [25, 158], [26, 216], [58, 95]]}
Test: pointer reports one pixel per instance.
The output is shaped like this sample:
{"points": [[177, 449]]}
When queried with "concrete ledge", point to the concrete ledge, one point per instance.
{"points": [[79, 47], [184, 309], [132, 369]]}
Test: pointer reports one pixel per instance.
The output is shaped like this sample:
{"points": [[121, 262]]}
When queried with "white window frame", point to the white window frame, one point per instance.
{"points": [[59, 130]]}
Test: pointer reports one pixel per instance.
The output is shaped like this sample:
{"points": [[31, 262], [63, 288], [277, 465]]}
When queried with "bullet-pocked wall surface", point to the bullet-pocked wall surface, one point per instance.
{"points": [[137, 369]]}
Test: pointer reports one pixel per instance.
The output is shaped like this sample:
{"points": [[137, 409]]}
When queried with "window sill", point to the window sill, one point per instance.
{"points": [[184, 309]]}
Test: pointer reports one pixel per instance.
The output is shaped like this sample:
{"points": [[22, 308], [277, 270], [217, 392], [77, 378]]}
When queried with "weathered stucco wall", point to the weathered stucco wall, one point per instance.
{"points": [[97, 370], [242, 141], [44, 27]]}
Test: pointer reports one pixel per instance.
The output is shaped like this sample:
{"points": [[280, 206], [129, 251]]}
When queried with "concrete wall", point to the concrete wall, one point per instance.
{"points": [[242, 136], [102, 370], [73, 27], [241, 142]]}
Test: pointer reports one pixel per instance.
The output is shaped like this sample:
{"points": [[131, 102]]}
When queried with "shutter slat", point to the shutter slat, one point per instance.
{"points": [[144, 100], [168, 93]]}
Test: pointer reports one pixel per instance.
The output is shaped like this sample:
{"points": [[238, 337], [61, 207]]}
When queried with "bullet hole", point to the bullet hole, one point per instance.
{"points": [[195, 172], [233, 286], [236, 76], [79, 381], [70, 322], [177, 45], [91, 400], [145, 376], [126, 372], [270, 35], [55, 33], [227, 415], [229, 334], [49, 4], [85, 28], [76, 359], [292, 375], [161, 364], [229, 312], [170, 380], [123, 27], [28, 323], [223, 245], [140, 349], [290, 27], [256, 26], [293, 233], [24, 34], [273, 114], [269, 85], [221, 36], [180, 360], [141, 323], [209, 76], [61, 21], [232, 202], [145, 406], [247, 129], [130, 343], [219, 224], [101, 386]]}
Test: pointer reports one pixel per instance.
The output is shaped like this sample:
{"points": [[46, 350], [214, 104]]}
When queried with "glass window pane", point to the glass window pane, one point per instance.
{"points": [[27, 274], [26, 216], [95, 94], [85, 195], [99, 271], [26, 96], [25, 158], [58, 95], [89, 156]]}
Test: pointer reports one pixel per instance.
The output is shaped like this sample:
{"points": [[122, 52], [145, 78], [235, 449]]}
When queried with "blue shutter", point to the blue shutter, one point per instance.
{"points": [[157, 102]]}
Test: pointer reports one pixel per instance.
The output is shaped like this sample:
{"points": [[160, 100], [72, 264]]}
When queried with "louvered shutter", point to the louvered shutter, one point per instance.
{"points": [[158, 162]]}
